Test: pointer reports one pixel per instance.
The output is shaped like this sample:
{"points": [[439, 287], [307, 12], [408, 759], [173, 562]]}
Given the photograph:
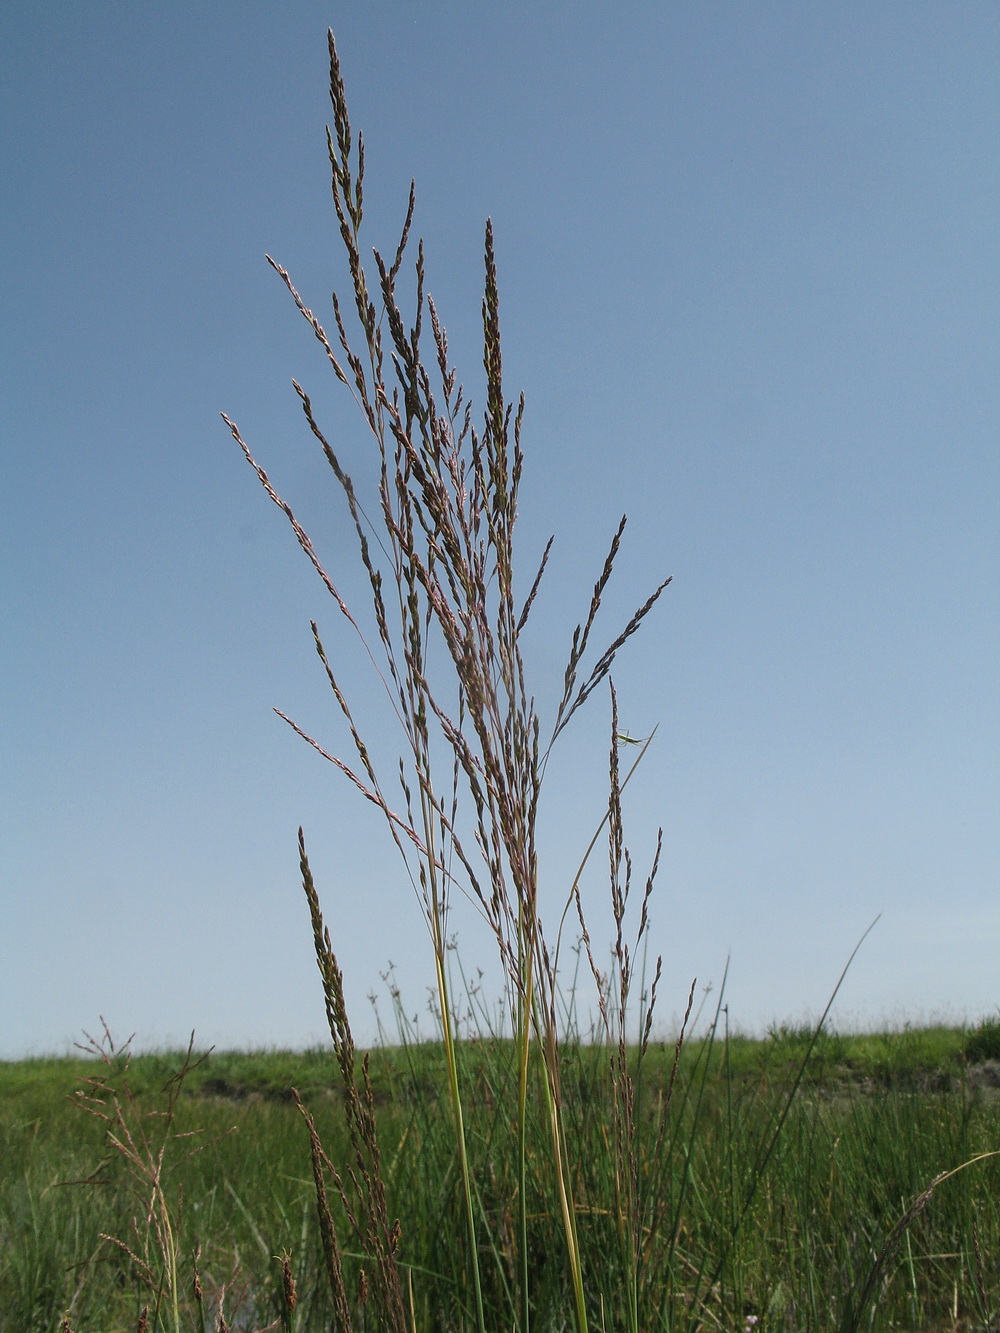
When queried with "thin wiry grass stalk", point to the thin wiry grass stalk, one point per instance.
{"points": [[524, 1057], [858, 1305], [615, 1019]]}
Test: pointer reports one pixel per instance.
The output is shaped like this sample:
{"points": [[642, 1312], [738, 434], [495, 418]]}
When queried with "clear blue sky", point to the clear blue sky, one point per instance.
{"points": [[748, 260]]}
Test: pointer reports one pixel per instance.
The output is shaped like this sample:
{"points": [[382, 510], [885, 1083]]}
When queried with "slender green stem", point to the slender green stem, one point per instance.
{"points": [[455, 1092], [170, 1255], [524, 1050], [563, 1182]]}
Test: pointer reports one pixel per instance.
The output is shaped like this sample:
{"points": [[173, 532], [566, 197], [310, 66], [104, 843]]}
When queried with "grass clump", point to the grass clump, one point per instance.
{"points": [[984, 1043], [437, 543]]}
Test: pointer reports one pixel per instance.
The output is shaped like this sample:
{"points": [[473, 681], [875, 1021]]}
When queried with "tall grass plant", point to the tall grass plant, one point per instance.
{"points": [[437, 542]]}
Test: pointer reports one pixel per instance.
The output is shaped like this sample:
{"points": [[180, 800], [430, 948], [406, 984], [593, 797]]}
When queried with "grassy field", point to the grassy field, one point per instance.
{"points": [[534, 1181], [741, 1229]]}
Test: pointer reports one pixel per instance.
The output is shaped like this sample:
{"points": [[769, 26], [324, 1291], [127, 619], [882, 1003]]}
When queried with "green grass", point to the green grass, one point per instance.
{"points": [[878, 1116]]}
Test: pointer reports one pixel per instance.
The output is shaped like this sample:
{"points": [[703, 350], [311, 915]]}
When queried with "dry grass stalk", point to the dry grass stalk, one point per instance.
{"points": [[858, 1306], [363, 1194], [145, 1141]]}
